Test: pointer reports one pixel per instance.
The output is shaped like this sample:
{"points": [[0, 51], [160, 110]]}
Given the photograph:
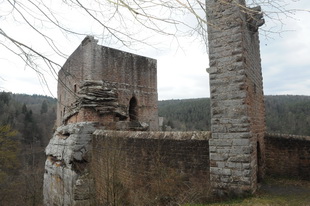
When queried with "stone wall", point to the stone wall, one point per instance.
{"points": [[90, 166], [288, 156], [237, 102], [146, 167], [113, 76]]}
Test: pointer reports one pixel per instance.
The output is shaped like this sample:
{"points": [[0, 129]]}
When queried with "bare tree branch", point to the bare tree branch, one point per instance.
{"points": [[120, 22]]}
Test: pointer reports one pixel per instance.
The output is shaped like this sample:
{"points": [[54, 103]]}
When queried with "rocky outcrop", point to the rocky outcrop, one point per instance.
{"points": [[66, 179]]}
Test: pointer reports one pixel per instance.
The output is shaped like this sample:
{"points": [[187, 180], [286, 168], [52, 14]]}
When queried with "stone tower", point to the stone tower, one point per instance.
{"points": [[98, 88], [115, 88], [237, 100]]}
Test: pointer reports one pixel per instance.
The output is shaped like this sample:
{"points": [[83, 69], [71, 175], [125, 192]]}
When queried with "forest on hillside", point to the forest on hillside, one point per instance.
{"points": [[288, 114], [27, 123]]}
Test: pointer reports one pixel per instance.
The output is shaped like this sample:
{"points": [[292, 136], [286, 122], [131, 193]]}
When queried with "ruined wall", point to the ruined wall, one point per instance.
{"points": [[237, 102], [71, 76], [150, 166], [113, 76], [288, 156], [90, 166]]}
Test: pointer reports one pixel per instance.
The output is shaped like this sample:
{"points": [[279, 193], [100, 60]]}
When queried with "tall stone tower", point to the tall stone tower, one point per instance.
{"points": [[237, 100]]}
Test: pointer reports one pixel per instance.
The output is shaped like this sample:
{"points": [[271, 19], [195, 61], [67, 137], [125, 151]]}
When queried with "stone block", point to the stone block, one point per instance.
{"points": [[226, 179], [235, 165], [220, 164], [220, 171], [240, 158], [218, 157], [241, 142], [220, 142], [246, 166]]}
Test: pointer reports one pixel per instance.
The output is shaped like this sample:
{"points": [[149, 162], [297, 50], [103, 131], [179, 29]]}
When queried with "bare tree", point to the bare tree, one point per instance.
{"points": [[129, 23]]}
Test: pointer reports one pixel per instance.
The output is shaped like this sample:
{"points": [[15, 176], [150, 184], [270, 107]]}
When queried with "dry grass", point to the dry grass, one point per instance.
{"points": [[274, 192]]}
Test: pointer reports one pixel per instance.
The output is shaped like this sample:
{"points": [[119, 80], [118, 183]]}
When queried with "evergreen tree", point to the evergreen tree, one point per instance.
{"points": [[284, 114], [44, 107], [5, 97], [8, 153], [24, 109]]}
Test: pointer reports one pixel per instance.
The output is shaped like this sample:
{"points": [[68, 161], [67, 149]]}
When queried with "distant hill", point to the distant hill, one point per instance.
{"points": [[186, 114], [26, 125], [284, 114], [288, 114], [33, 116]]}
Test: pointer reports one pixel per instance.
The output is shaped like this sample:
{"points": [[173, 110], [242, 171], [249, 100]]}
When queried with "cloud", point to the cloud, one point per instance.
{"points": [[183, 75], [285, 59], [181, 64]]}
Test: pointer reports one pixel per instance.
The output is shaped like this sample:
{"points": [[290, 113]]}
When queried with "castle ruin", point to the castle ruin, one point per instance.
{"points": [[107, 136], [114, 88]]}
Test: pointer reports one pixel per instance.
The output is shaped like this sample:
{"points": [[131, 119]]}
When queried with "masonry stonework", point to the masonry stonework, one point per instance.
{"points": [[98, 87], [150, 168], [237, 100], [101, 84], [103, 90], [288, 156]]}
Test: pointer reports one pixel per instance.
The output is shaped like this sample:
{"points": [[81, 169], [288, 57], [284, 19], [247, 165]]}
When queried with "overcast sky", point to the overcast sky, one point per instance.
{"points": [[182, 67]]}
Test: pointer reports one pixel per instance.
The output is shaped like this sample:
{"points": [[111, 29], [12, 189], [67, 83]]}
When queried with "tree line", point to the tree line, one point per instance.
{"points": [[27, 121], [288, 114], [26, 124]]}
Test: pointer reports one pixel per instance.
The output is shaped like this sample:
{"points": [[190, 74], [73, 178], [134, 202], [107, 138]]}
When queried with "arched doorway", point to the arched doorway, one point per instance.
{"points": [[133, 109]]}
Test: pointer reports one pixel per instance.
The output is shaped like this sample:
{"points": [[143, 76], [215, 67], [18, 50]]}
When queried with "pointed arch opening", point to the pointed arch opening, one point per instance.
{"points": [[133, 109]]}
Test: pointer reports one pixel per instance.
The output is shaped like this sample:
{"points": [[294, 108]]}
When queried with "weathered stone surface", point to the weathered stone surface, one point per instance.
{"points": [[119, 91], [131, 125], [106, 85], [288, 155], [65, 178], [237, 102], [140, 161], [190, 135]]}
